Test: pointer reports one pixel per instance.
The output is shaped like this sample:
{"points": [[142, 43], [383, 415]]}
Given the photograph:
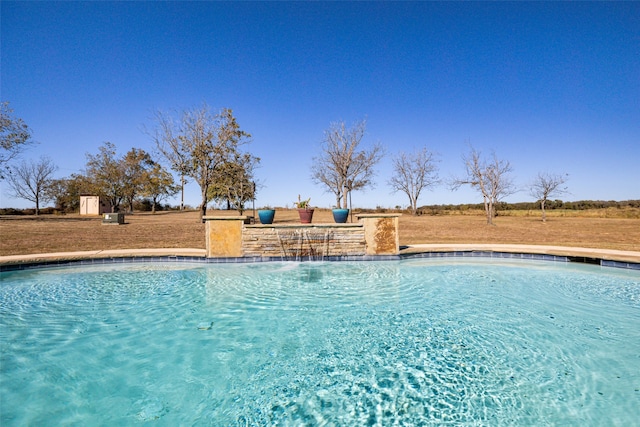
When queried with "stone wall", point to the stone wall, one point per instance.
{"points": [[223, 235], [373, 234], [303, 241], [381, 233]]}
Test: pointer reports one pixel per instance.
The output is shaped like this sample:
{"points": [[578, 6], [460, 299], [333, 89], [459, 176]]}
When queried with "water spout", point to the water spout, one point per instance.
{"points": [[299, 245]]}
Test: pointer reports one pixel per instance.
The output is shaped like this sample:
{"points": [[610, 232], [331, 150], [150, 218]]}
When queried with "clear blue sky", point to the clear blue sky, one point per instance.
{"points": [[547, 86]]}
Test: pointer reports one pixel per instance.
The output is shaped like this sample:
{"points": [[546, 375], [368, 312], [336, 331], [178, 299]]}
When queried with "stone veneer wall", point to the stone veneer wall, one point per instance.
{"points": [[373, 234], [303, 240]]}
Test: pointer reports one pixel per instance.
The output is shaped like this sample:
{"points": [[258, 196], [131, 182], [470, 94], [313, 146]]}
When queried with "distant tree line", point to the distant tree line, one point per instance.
{"points": [[199, 144], [207, 147], [134, 179], [580, 205]]}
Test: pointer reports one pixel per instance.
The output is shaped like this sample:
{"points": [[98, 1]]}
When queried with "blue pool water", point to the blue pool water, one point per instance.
{"points": [[413, 342]]}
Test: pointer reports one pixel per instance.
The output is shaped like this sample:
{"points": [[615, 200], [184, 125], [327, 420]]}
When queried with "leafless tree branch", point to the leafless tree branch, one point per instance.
{"points": [[414, 173], [490, 178], [341, 167], [547, 185], [29, 180]]}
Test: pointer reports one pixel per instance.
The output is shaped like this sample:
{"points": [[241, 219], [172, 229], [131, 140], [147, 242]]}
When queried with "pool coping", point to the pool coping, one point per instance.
{"points": [[603, 257]]}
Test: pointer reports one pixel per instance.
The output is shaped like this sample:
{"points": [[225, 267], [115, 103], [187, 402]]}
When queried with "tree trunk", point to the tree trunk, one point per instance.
{"points": [[203, 205], [414, 206], [182, 193], [544, 214], [489, 211], [203, 209]]}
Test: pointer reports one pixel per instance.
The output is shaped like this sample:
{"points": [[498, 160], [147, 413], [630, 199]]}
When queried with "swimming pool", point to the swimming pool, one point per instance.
{"points": [[411, 342]]}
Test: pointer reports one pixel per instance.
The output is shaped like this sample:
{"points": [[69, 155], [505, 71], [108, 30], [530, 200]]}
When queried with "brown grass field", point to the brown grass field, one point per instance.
{"points": [[21, 235]]}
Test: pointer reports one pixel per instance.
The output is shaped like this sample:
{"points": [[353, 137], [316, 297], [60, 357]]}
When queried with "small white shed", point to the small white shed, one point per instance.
{"points": [[91, 205]]}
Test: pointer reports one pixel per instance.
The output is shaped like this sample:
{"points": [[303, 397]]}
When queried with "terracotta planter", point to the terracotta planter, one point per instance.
{"points": [[306, 215]]}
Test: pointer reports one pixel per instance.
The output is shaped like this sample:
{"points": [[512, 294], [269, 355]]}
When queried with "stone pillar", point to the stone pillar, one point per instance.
{"points": [[380, 233], [224, 236]]}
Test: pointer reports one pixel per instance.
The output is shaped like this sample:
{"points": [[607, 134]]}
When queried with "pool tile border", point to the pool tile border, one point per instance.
{"points": [[52, 263], [31, 265], [525, 256], [491, 254], [620, 264]]}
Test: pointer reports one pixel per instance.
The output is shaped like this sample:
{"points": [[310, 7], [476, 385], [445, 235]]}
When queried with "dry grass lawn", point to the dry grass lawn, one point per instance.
{"points": [[20, 235]]}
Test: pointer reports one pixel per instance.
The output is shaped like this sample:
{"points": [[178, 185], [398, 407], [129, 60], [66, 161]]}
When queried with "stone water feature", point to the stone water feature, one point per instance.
{"points": [[372, 235]]}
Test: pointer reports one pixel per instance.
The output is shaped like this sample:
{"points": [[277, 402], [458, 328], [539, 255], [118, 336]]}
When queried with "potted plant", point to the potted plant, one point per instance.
{"points": [[304, 210], [340, 215], [266, 215]]}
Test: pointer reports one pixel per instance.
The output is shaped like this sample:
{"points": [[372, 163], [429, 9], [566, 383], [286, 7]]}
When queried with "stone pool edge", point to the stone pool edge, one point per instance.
{"points": [[602, 257]]}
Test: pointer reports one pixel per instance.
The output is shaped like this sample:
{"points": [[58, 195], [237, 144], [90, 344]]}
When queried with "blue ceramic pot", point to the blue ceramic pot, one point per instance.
{"points": [[340, 215], [266, 216]]}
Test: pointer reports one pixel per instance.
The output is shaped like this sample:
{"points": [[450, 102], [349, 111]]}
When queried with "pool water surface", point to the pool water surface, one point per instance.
{"points": [[411, 342]]}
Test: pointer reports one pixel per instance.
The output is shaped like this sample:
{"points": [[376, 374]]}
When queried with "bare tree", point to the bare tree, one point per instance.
{"points": [[341, 167], [15, 135], [200, 143], [30, 180], [414, 172], [547, 185], [491, 179]]}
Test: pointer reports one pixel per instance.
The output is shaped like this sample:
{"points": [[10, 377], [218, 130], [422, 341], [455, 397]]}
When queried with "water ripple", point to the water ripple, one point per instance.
{"points": [[393, 343]]}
